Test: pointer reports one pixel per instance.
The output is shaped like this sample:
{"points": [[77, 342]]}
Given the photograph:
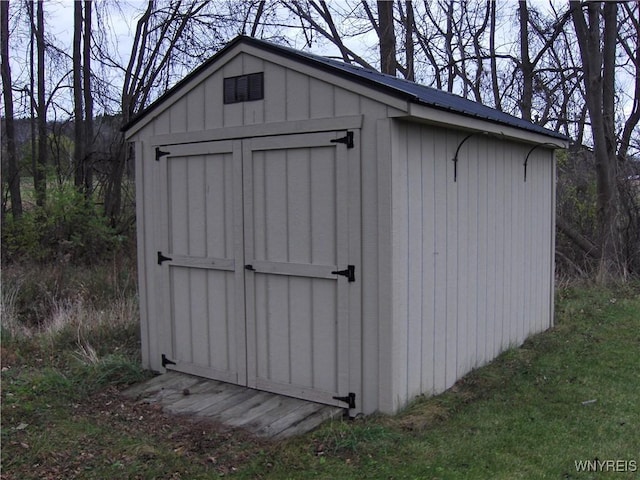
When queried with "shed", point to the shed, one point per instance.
{"points": [[327, 232]]}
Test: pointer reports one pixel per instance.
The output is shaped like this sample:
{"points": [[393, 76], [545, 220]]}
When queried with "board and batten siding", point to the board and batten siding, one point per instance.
{"points": [[471, 260], [449, 274], [198, 114], [291, 93]]}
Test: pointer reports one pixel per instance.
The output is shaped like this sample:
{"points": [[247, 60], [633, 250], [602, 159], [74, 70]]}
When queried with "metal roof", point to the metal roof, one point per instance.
{"points": [[410, 91]]}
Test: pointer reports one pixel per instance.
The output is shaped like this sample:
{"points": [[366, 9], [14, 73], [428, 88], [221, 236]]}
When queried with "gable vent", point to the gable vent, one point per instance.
{"points": [[244, 88]]}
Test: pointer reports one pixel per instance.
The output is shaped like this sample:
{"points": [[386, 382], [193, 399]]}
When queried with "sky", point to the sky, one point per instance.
{"points": [[122, 23], [59, 18]]}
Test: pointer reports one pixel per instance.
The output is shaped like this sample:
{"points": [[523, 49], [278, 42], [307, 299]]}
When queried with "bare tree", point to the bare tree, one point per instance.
{"points": [[408, 22], [519, 59], [13, 175], [88, 100], [78, 97], [629, 40], [596, 37], [258, 16], [309, 11], [39, 174], [158, 40], [526, 66], [387, 36], [495, 86]]}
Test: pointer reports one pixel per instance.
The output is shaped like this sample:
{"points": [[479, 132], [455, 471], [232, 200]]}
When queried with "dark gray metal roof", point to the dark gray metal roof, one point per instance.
{"points": [[410, 91], [415, 92]]}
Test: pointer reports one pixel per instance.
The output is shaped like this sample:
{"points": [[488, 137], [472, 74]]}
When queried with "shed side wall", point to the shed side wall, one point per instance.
{"points": [[472, 258]]}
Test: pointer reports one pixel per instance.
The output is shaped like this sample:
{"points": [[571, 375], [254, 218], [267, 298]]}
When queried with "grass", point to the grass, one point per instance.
{"points": [[567, 395]]}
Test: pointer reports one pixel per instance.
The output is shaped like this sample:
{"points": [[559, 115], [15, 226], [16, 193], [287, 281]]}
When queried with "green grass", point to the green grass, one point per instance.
{"points": [[523, 416], [569, 394]]}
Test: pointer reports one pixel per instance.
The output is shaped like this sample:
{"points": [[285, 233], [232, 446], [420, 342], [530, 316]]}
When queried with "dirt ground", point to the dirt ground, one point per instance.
{"points": [[151, 433]]}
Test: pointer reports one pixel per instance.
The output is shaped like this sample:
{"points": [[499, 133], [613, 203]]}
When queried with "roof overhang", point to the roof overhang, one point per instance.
{"points": [[283, 56], [444, 118], [404, 104]]}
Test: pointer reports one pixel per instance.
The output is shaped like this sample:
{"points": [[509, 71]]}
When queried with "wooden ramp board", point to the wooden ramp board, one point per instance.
{"points": [[261, 413]]}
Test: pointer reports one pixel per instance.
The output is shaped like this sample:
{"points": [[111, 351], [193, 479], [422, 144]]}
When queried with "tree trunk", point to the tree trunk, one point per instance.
{"points": [[88, 101], [448, 45], [495, 84], [408, 42], [32, 93], [256, 21], [387, 37], [598, 78], [79, 134], [525, 62], [13, 174], [41, 165]]}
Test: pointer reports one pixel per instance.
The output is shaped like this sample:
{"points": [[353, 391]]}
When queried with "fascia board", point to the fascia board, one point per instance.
{"points": [[463, 122]]}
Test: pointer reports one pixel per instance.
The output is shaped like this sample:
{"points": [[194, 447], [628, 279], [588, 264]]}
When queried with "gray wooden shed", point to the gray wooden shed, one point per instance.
{"points": [[319, 230]]}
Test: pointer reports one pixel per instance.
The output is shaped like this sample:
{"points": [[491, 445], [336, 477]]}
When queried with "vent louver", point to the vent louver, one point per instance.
{"points": [[244, 88]]}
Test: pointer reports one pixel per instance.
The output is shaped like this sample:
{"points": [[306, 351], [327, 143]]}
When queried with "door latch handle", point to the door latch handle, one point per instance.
{"points": [[250, 268], [350, 273]]}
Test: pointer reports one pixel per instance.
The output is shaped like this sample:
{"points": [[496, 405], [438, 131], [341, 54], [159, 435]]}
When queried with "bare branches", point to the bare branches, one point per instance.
{"points": [[256, 21], [630, 43], [330, 32], [520, 58]]}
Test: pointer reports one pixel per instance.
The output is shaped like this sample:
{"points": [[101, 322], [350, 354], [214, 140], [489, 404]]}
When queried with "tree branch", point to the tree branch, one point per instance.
{"points": [[586, 245]]}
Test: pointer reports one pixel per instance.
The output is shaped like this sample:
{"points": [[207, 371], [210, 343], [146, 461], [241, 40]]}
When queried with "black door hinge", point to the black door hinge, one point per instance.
{"points": [[162, 258], [160, 153], [350, 399], [166, 361], [347, 140], [350, 273]]}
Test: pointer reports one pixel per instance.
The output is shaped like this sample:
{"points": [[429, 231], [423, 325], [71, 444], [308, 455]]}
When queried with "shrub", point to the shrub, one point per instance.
{"points": [[69, 228]]}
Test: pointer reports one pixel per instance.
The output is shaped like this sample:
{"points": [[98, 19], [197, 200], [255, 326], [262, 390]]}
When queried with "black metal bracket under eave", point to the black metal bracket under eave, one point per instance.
{"points": [[166, 361], [526, 159], [350, 399], [455, 157], [347, 140]]}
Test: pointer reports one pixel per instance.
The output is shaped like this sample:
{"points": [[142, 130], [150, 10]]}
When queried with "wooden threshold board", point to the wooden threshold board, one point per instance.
{"points": [[261, 413]]}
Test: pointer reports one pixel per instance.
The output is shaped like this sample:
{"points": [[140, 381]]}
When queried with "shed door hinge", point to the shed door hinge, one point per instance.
{"points": [[350, 273], [160, 153], [350, 399], [347, 139], [166, 361], [163, 258]]}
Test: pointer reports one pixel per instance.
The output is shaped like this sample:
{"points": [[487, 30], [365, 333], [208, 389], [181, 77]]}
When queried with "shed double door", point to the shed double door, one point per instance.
{"points": [[254, 232]]}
